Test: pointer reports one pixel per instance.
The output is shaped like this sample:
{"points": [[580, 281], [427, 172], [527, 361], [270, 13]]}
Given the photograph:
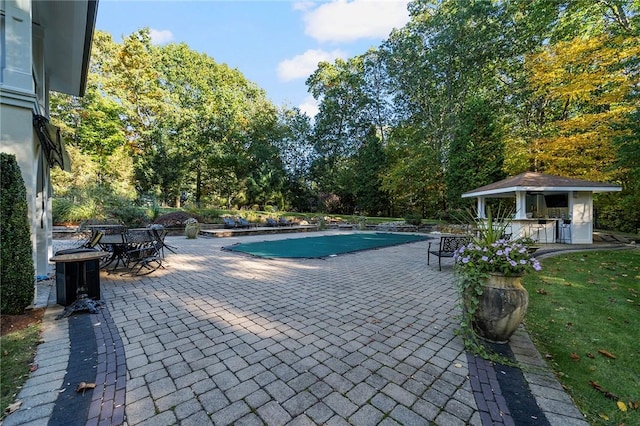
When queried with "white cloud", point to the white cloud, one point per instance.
{"points": [[309, 106], [160, 36], [345, 21], [302, 66], [303, 5]]}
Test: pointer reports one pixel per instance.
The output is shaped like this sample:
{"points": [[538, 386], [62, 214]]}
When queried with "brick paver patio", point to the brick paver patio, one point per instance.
{"points": [[223, 338]]}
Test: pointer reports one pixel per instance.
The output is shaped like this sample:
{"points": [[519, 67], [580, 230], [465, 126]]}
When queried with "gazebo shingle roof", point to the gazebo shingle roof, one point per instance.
{"points": [[531, 181]]}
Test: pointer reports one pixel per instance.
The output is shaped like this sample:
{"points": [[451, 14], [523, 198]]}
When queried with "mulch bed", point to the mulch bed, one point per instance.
{"points": [[12, 323], [174, 219]]}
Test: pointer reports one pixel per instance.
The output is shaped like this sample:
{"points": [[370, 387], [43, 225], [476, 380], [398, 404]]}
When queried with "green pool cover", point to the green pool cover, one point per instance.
{"points": [[328, 245]]}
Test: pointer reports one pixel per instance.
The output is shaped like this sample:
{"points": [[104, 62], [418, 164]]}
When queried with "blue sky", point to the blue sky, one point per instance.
{"points": [[276, 44]]}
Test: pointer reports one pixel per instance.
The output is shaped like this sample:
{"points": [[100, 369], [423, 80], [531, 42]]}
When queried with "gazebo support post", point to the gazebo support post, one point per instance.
{"points": [[521, 204], [481, 208]]}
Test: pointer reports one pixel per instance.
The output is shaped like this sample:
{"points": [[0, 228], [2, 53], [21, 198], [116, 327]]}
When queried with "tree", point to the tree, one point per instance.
{"points": [[370, 163], [476, 153], [448, 51], [586, 84]]}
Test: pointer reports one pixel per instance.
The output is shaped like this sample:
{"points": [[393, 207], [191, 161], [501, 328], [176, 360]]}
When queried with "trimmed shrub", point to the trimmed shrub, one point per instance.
{"points": [[413, 219], [132, 216], [17, 273]]}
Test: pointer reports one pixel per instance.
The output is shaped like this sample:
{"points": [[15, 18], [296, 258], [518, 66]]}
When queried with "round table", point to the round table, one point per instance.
{"points": [[82, 302]]}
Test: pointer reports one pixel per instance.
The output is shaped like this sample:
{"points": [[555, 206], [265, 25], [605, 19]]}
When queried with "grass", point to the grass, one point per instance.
{"points": [[584, 310], [18, 350]]}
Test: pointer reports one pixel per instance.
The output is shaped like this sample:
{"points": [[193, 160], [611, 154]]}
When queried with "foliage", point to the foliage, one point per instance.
{"points": [[502, 256], [490, 251], [585, 83], [17, 272], [67, 210], [580, 304], [131, 215], [476, 153], [413, 219], [465, 94]]}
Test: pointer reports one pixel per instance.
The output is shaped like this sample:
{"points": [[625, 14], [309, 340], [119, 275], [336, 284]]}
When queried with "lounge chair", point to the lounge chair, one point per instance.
{"points": [[229, 222], [243, 223], [271, 222], [284, 222]]}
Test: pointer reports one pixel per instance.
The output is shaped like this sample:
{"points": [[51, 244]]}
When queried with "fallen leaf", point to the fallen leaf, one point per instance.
{"points": [[607, 353], [569, 324], [603, 416], [574, 356], [542, 291], [457, 365], [590, 355], [634, 405], [13, 407], [82, 386], [622, 406], [603, 391], [5, 353], [33, 367]]}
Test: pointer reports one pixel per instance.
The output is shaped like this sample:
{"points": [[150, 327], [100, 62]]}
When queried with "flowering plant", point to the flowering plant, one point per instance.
{"points": [[503, 256]]}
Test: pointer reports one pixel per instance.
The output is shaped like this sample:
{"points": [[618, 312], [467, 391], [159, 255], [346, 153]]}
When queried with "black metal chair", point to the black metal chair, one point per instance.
{"points": [[447, 247], [143, 251]]}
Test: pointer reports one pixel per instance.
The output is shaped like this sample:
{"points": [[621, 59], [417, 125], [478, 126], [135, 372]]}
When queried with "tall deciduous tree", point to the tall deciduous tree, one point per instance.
{"points": [[476, 153], [586, 84], [447, 51]]}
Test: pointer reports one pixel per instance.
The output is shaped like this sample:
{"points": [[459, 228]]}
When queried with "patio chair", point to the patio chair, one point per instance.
{"points": [[142, 252], [447, 247], [229, 223], [159, 232], [89, 245]]}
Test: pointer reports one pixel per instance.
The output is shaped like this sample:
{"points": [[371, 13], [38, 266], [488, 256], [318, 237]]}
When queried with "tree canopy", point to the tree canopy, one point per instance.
{"points": [[466, 93]]}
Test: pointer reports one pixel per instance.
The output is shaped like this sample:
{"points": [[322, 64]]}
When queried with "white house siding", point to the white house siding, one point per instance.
{"points": [[24, 89]]}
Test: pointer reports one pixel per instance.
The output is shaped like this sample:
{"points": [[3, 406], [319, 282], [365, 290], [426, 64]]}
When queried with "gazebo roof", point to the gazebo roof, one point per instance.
{"points": [[538, 182]]}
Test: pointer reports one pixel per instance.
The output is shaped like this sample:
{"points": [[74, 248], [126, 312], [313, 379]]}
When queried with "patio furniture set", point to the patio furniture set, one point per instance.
{"points": [[139, 251]]}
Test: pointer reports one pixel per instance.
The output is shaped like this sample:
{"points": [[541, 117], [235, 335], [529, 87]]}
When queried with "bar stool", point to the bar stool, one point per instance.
{"points": [[537, 227], [565, 231]]}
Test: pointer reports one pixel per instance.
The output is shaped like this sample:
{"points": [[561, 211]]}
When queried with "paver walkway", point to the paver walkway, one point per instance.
{"points": [[223, 338]]}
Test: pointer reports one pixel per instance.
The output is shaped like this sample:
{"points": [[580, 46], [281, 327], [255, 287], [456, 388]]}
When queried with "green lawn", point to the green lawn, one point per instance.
{"points": [[18, 350], [584, 310]]}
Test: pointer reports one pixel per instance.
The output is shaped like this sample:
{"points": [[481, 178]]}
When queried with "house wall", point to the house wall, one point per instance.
{"points": [[23, 90]]}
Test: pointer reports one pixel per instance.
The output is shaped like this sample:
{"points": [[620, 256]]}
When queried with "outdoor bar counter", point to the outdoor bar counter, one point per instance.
{"points": [[542, 230]]}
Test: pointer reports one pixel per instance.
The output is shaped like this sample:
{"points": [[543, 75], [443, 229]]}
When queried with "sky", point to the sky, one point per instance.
{"points": [[276, 44]]}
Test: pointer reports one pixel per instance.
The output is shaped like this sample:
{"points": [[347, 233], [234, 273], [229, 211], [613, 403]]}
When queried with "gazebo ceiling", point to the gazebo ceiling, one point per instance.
{"points": [[541, 183]]}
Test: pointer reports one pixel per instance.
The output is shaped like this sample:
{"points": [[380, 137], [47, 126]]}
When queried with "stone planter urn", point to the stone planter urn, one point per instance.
{"points": [[191, 228], [501, 307]]}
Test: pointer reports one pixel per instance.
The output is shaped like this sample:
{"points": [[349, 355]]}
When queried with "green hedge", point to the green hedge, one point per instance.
{"points": [[16, 263]]}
